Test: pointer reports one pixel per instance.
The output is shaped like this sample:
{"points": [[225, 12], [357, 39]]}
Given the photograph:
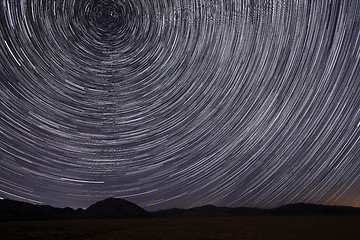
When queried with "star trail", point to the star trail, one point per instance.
{"points": [[180, 103]]}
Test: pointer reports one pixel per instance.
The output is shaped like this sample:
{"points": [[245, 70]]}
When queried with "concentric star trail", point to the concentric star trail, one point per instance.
{"points": [[180, 103]]}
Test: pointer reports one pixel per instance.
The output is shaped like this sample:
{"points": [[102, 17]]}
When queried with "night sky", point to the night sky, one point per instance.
{"points": [[180, 103]]}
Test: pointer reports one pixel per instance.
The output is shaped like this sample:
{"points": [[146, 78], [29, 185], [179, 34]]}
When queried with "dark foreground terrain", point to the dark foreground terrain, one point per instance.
{"points": [[329, 227]]}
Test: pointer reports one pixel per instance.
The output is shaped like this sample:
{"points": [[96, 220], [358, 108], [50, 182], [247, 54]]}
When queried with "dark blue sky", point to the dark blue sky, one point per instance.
{"points": [[180, 103]]}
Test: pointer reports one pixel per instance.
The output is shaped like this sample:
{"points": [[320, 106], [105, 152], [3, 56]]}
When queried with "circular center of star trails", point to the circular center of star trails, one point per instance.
{"points": [[106, 16], [180, 103]]}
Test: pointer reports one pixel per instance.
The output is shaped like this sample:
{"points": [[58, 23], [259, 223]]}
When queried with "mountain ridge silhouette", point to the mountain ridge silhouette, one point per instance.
{"points": [[12, 210]]}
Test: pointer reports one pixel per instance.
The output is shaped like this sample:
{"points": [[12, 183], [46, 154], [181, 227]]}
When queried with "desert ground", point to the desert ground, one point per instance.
{"points": [[188, 228]]}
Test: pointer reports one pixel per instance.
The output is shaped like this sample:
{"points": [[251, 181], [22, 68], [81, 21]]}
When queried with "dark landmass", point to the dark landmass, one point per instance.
{"points": [[16, 210], [119, 219], [210, 210], [289, 210], [237, 227], [114, 208], [11, 210]]}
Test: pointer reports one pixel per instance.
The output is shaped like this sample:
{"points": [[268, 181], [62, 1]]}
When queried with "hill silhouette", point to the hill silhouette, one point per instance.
{"points": [[211, 210], [16, 210], [120, 208], [114, 208], [108, 208], [308, 209]]}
